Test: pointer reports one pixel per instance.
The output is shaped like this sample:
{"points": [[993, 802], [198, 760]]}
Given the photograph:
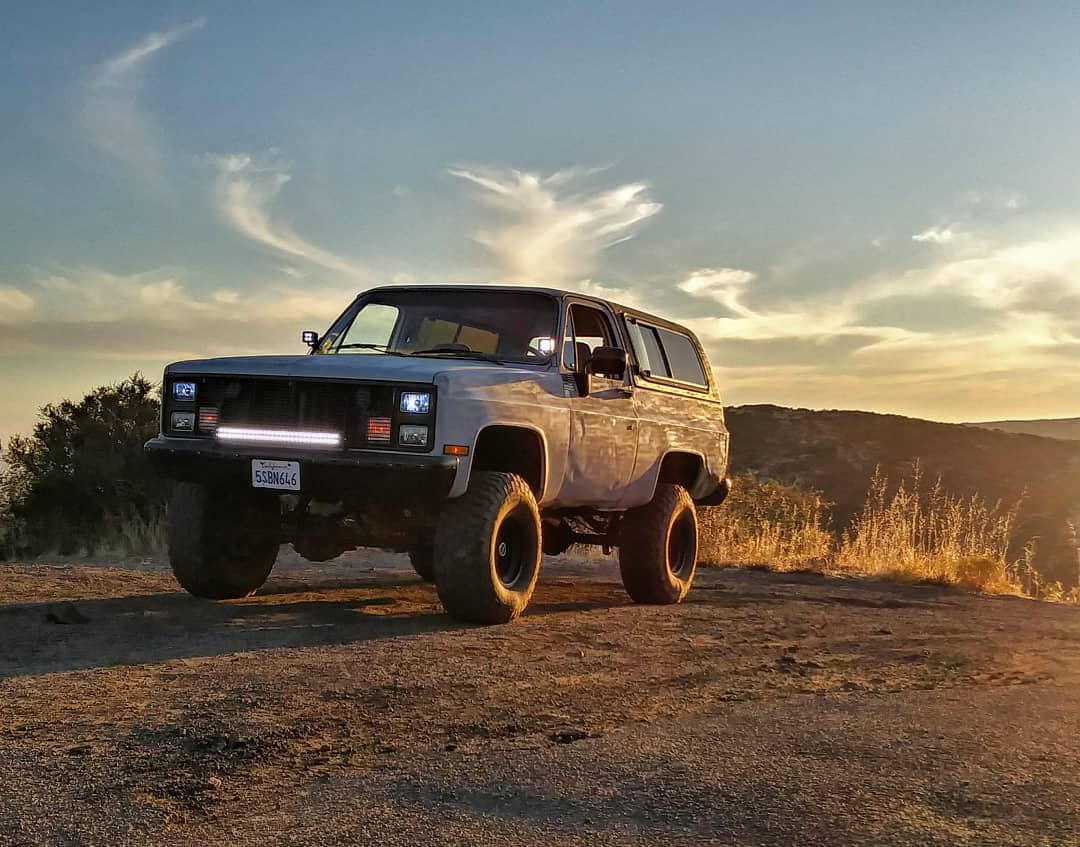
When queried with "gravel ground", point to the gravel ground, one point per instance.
{"points": [[340, 706]]}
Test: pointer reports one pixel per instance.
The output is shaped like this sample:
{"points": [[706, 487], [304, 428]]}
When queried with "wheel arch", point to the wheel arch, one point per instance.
{"points": [[686, 468], [513, 448]]}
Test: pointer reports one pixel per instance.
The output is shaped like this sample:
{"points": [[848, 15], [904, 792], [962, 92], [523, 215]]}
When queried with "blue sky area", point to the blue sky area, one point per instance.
{"points": [[854, 205]]}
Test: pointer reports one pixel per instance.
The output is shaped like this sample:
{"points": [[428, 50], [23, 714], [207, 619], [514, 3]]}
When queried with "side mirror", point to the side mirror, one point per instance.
{"points": [[310, 337], [609, 362]]}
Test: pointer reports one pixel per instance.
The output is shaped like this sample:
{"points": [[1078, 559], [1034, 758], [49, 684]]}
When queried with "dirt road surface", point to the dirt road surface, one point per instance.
{"points": [[340, 706]]}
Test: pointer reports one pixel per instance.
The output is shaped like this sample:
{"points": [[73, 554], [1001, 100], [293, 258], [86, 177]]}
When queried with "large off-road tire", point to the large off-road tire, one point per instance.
{"points": [[487, 549], [222, 544], [658, 547], [422, 557]]}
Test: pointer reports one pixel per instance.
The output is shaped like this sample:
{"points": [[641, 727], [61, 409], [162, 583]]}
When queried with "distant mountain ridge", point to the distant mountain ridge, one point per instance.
{"points": [[1064, 428], [836, 452]]}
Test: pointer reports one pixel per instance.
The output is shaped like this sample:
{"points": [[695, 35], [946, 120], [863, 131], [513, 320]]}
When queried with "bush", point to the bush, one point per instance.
{"points": [[81, 481]]}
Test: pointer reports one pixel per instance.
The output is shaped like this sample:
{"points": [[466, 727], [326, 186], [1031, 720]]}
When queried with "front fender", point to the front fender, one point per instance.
{"points": [[469, 404]]}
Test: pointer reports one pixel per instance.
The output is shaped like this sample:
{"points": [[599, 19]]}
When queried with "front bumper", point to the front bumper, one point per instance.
{"points": [[352, 474]]}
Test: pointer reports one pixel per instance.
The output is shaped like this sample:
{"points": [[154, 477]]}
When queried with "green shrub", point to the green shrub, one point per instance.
{"points": [[81, 481]]}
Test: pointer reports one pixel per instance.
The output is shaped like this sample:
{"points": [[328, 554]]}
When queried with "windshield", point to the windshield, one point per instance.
{"points": [[466, 323]]}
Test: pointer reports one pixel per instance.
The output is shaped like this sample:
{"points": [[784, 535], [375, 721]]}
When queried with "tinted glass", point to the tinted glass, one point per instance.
{"points": [[656, 366], [417, 321], [683, 357]]}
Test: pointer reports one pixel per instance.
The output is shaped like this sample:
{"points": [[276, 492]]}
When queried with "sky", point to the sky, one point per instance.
{"points": [[854, 205]]}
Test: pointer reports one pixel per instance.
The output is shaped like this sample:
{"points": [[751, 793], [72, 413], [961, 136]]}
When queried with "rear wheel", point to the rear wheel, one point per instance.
{"points": [[658, 547], [487, 549], [222, 543]]}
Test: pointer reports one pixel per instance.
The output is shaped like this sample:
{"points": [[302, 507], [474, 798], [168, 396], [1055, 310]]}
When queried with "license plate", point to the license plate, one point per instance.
{"points": [[270, 473]]}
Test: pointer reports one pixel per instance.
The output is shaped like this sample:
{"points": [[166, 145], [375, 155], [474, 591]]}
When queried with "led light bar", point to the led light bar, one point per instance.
{"points": [[288, 437]]}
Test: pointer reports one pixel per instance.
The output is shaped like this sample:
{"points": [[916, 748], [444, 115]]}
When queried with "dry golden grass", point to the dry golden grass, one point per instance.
{"points": [[914, 534], [927, 535], [766, 524]]}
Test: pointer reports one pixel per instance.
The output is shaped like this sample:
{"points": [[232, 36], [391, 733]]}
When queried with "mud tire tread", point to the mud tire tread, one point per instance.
{"points": [[643, 548], [198, 517], [464, 571]]}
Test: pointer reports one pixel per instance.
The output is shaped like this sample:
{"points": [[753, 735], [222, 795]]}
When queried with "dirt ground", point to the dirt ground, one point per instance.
{"points": [[341, 706]]}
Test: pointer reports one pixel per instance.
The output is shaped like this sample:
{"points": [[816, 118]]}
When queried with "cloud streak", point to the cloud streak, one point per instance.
{"points": [[540, 229], [245, 191], [935, 235], [724, 285], [112, 115]]}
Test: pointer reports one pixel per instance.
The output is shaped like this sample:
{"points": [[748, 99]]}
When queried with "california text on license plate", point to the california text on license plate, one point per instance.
{"points": [[270, 473]]}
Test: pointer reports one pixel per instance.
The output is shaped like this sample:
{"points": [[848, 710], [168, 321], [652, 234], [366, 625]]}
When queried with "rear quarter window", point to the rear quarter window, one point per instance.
{"points": [[656, 364], [682, 357]]}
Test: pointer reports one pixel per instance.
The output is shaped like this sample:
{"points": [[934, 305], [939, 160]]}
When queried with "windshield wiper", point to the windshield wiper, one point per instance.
{"points": [[382, 348], [464, 354]]}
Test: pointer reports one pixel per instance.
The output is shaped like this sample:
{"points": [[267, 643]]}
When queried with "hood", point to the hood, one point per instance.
{"points": [[359, 366]]}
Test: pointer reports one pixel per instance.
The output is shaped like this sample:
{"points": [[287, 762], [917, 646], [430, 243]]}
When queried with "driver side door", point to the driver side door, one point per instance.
{"points": [[603, 424]]}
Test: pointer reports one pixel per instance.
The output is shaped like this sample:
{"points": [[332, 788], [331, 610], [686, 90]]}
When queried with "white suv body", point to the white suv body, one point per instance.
{"points": [[593, 407]]}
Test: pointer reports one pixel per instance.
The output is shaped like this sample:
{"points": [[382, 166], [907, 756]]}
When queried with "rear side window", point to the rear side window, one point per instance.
{"points": [[683, 358], [666, 354], [656, 365]]}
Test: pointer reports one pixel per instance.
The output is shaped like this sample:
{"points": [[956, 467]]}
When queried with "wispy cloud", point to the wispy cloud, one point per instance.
{"points": [[246, 189], [111, 112], [724, 285], [935, 235], [543, 230]]}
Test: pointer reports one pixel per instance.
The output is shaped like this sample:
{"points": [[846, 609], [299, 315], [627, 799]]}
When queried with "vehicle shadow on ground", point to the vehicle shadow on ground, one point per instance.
{"points": [[59, 636]]}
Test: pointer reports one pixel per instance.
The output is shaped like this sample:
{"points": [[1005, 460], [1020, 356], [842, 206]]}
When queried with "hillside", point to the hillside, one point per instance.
{"points": [[837, 452], [1064, 428]]}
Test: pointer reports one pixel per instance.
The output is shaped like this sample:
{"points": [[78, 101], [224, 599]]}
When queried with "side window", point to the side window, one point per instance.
{"points": [[586, 328], [682, 357], [655, 363]]}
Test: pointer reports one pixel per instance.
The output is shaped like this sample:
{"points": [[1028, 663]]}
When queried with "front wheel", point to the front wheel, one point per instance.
{"points": [[658, 547], [222, 543], [487, 549]]}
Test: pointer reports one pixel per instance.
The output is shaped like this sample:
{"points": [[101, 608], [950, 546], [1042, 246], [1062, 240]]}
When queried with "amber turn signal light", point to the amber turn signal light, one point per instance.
{"points": [[455, 450]]}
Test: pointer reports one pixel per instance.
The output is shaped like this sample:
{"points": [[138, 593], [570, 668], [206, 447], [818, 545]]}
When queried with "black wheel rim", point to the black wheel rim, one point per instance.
{"points": [[682, 545], [510, 551]]}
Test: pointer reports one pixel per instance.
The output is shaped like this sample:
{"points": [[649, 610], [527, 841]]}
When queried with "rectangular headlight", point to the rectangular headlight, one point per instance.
{"points": [[183, 390], [410, 435], [415, 402], [183, 421]]}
